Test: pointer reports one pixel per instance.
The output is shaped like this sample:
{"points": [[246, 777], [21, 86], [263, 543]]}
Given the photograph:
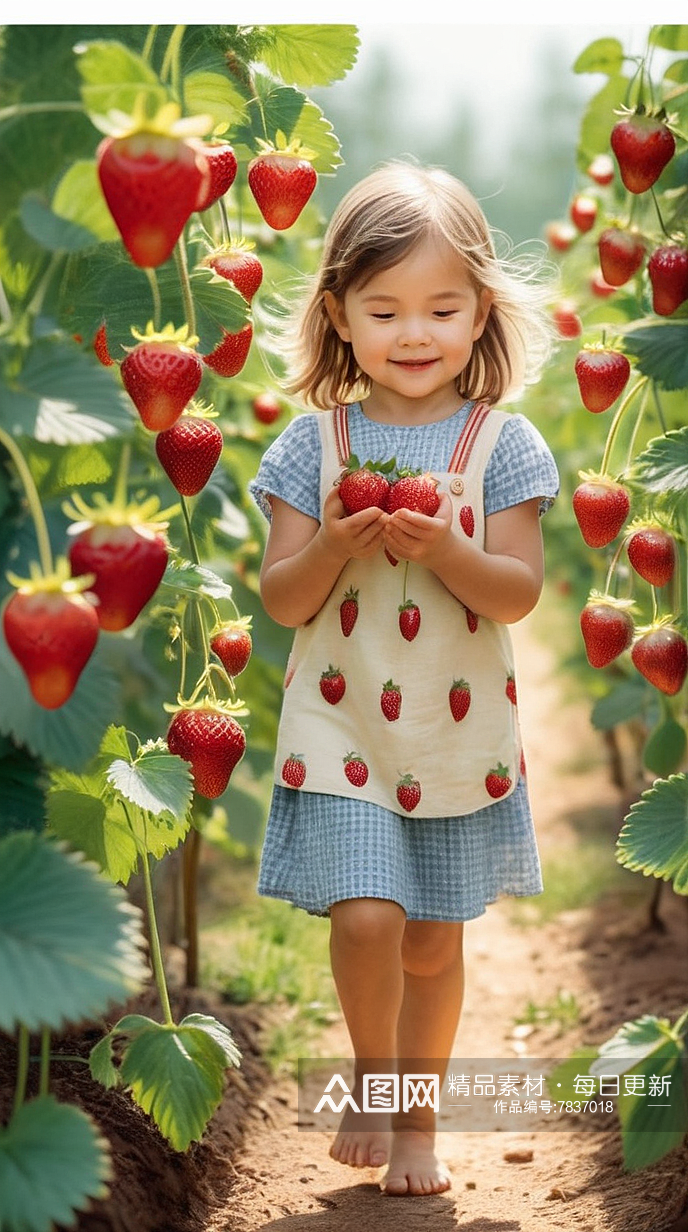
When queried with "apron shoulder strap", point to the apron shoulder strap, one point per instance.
{"points": [[477, 438], [334, 438]]}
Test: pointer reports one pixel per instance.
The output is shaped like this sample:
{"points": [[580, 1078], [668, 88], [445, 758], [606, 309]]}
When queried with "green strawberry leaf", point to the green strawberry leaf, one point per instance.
{"points": [[604, 55], [100, 1063], [219, 306], [310, 55], [53, 1160], [596, 122], [77, 813], [274, 109], [674, 38], [176, 1074], [207, 93], [113, 77], [22, 790], [157, 781], [660, 350], [317, 134], [191, 579], [663, 465], [217, 1031], [55, 468], [623, 702], [654, 837], [79, 198], [678, 71], [69, 941], [52, 232]]}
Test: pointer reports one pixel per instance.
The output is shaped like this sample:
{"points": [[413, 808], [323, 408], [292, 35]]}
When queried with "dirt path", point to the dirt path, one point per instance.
{"points": [[603, 954]]}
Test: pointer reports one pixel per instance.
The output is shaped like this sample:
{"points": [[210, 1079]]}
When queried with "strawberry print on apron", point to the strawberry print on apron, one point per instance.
{"points": [[395, 692]]}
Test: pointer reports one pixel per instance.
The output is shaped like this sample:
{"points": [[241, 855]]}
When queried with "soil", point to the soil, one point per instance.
{"points": [[255, 1169]]}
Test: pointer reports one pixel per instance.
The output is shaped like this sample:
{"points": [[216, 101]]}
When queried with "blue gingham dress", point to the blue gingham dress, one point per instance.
{"points": [[319, 849]]}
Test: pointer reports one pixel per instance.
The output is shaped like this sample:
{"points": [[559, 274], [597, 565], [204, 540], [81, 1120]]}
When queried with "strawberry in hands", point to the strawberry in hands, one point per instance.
{"points": [[364, 486]]}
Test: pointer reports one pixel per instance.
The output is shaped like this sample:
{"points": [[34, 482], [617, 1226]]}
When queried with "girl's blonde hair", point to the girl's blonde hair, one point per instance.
{"points": [[375, 225]]}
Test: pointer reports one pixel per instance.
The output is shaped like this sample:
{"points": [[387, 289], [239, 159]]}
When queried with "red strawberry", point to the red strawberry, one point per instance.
{"points": [[161, 375], [602, 375], [52, 634], [668, 273], [621, 255], [100, 346], [362, 486], [348, 611], [414, 490], [599, 285], [212, 741], [188, 452], [355, 769], [601, 507], [151, 183], [652, 553], [409, 619], [239, 265], [294, 770], [566, 320], [471, 620], [222, 164], [233, 645], [128, 563], [229, 356], [560, 235], [281, 183], [390, 701], [266, 408], [497, 781], [607, 628], [408, 792], [661, 656], [459, 699], [601, 169], [511, 688], [583, 211], [643, 146], [467, 520], [332, 685]]}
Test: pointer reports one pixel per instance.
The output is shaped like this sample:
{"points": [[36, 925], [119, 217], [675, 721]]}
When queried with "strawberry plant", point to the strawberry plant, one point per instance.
{"points": [[140, 272], [631, 509]]}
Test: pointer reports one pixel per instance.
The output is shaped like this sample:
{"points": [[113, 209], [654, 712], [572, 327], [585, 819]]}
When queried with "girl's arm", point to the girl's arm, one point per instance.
{"points": [[503, 582], [303, 557]]}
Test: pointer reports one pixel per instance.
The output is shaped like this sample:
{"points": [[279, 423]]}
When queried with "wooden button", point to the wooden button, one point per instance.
{"points": [[456, 486]]}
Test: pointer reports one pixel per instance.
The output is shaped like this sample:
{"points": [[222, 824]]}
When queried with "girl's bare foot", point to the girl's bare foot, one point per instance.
{"points": [[361, 1148], [413, 1166]]}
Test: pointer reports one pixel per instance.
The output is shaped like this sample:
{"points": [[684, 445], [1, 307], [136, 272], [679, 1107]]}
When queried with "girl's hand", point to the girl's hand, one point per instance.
{"points": [[415, 536], [351, 535]]}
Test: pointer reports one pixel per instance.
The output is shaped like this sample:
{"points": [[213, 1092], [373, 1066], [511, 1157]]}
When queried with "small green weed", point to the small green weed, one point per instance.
{"points": [[563, 1009], [578, 878]]}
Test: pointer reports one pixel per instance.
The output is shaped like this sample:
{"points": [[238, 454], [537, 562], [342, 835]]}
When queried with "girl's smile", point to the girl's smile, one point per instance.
{"points": [[412, 329]]}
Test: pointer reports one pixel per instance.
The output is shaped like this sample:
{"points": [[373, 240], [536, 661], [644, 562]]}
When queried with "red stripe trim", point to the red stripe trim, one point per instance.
{"points": [[472, 425], [341, 433], [470, 442]]}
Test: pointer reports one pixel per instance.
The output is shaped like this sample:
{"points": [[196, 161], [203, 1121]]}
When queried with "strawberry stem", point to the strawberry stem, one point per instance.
{"points": [[658, 408], [617, 420], [148, 45], [5, 310], [155, 293], [636, 426], [659, 212], [22, 1067], [170, 65], [185, 282], [224, 220], [33, 501], [155, 950], [614, 562], [22, 109], [119, 499], [406, 569], [44, 1079]]}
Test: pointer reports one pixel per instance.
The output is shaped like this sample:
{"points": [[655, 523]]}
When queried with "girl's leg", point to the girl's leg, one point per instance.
{"points": [[365, 947], [432, 956]]}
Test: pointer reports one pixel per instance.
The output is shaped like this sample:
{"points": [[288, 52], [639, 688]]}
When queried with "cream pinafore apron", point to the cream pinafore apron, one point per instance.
{"points": [[423, 724]]}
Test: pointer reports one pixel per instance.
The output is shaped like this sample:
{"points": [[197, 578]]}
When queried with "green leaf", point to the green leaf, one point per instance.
{"points": [[623, 702], [64, 397], [100, 1063], [311, 55], [678, 71], [79, 198], [53, 1160], [654, 837], [176, 1074], [77, 814], [52, 232], [275, 108], [218, 306], [605, 55], [598, 120], [317, 134], [157, 782], [191, 579], [632, 1042], [113, 77], [21, 791], [69, 941], [663, 464], [665, 748], [660, 350], [217, 1031], [674, 38], [561, 1079], [212, 94]]}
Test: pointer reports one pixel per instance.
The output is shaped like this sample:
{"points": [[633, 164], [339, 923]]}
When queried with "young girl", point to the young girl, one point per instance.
{"points": [[400, 806]]}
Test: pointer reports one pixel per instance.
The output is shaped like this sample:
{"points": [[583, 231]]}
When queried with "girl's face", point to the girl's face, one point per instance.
{"points": [[412, 328]]}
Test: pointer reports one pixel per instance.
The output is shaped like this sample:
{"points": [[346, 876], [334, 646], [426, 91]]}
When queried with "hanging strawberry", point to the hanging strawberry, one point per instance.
{"points": [[651, 551], [189, 450], [232, 644], [161, 374], [661, 655], [281, 178], [643, 146], [602, 374], [667, 270], [621, 254], [231, 352], [607, 628], [209, 737], [601, 506], [238, 263], [222, 165], [152, 176]]}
